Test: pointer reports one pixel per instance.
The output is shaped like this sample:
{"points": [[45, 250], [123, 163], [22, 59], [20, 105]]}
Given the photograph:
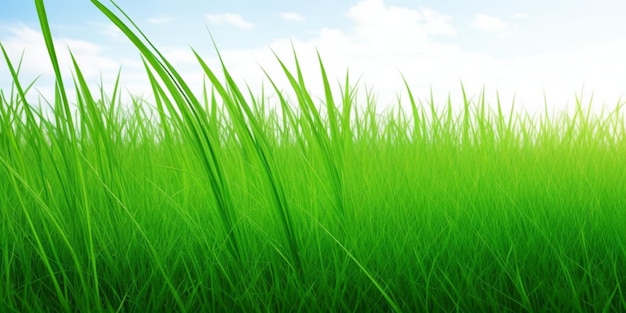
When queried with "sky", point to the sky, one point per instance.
{"points": [[531, 52]]}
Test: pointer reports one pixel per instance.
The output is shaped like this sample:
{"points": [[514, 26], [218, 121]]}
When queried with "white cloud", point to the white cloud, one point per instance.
{"points": [[521, 16], [89, 54], [109, 30], [291, 16], [385, 41], [91, 58], [161, 20], [179, 55], [230, 18], [373, 20], [489, 23]]}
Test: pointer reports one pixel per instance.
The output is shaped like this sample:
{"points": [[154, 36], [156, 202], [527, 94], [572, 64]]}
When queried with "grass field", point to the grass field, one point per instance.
{"points": [[212, 202]]}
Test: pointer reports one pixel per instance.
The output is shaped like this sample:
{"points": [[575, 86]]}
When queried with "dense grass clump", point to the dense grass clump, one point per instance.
{"points": [[215, 203]]}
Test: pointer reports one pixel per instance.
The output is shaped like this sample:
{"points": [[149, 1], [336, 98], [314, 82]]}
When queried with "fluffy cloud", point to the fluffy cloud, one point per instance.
{"points": [[291, 16], [161, 20], [230, 18], [91, 57], [489, 23], [24, 39]]}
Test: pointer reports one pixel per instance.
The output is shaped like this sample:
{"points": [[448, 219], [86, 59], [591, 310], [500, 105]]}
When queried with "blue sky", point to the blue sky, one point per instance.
{"points": [[522, 49]]}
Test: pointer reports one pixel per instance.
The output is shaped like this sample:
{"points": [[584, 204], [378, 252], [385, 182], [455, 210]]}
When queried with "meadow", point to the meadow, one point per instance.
{"points": [[215, 202]]}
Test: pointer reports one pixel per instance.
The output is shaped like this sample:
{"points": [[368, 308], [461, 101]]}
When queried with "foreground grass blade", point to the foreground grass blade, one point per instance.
{"points": [[189, 108], [256, 140], [72, 160]]}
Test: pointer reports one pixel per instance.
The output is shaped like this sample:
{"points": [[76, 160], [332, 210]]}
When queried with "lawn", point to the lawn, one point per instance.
{"points": [[215, 202]]}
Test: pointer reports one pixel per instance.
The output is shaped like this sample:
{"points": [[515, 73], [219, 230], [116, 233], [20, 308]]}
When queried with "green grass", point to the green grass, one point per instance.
{"points": [[212, 202]]}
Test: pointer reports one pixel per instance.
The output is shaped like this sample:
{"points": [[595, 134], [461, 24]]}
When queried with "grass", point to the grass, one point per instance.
{"points": [[213, 202]]}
